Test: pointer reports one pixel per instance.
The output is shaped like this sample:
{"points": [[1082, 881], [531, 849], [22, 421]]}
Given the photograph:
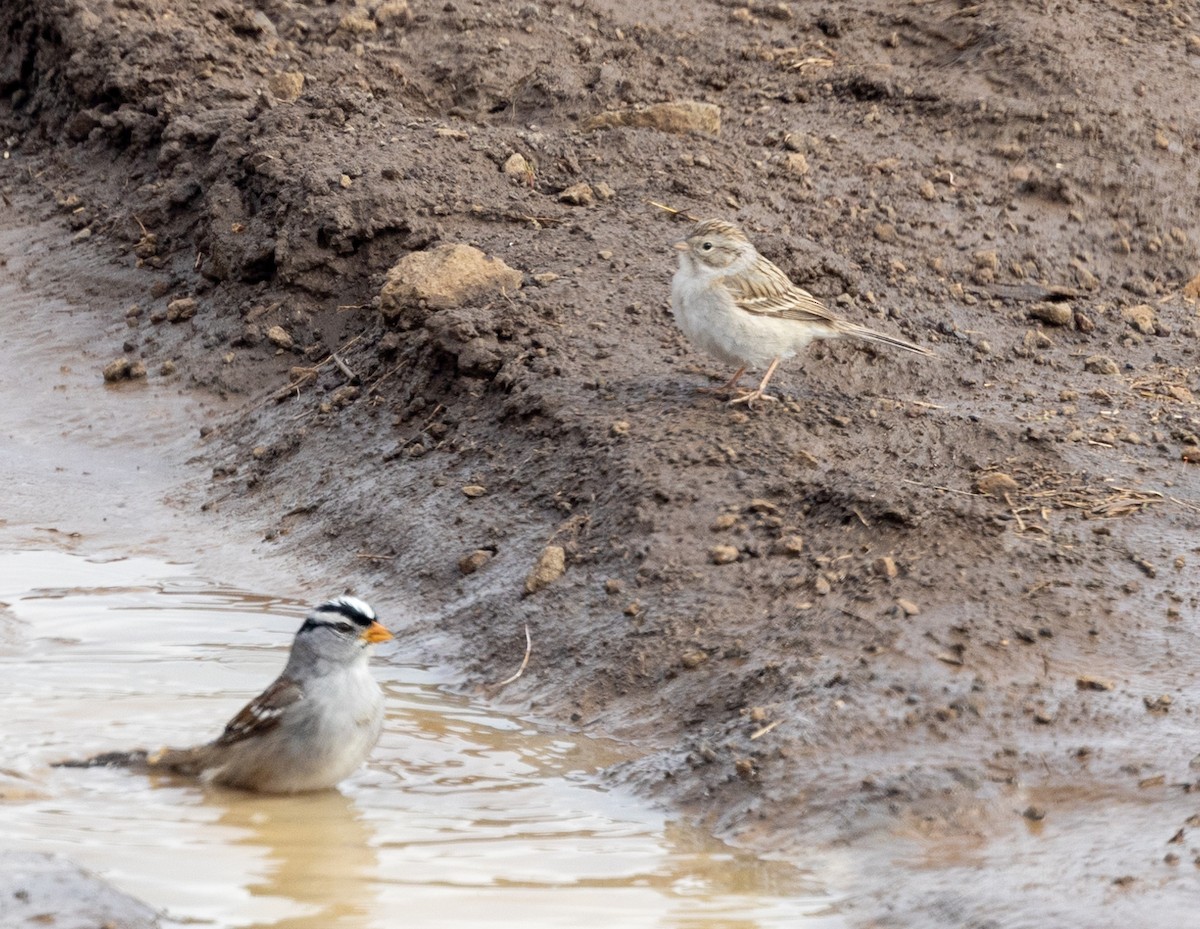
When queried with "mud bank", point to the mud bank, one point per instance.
{"points": [[952, 580]]}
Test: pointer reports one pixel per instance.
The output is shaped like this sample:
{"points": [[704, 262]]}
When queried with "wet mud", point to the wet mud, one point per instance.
{"points": [[920, 604]]}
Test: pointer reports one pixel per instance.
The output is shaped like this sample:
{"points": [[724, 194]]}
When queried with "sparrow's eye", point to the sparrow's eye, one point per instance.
{"points": [[344, 628], [706, 247]]}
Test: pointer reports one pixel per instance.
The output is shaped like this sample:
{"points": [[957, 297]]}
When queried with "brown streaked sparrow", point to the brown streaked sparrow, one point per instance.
{"points": [[740, 308], [310, 729]]}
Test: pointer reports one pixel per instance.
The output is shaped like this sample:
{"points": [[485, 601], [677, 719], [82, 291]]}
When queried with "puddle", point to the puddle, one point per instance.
{"points": [[462, 817]]}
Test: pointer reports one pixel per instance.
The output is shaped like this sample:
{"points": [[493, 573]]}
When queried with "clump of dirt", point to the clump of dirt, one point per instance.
{"points": [[866, 604]]}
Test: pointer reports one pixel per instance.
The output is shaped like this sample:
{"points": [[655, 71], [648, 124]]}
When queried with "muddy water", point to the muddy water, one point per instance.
{"points": [[462, 818], [113, 636]]}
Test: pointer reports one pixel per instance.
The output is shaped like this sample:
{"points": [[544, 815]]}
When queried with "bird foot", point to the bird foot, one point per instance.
{"points": [[750, 397]]}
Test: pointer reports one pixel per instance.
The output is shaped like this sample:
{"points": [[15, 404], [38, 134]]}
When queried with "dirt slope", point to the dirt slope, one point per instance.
{"points": [[953, 577]]}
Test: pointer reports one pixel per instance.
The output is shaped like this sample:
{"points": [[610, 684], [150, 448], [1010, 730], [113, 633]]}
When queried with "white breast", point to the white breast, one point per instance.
{"points": [[707, 315], [321, 740]]}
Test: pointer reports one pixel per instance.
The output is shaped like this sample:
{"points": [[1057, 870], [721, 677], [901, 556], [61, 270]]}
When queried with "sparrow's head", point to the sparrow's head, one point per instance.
{"points": [[713, 245], [343, 626]]}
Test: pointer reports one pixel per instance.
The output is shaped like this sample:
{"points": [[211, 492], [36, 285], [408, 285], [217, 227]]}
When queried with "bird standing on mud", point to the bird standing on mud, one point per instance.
{"points": [[310, 729], [740, 308]]}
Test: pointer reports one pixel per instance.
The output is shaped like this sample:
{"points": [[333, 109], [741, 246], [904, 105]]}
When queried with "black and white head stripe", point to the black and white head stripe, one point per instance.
{"points": [[339, 609]]}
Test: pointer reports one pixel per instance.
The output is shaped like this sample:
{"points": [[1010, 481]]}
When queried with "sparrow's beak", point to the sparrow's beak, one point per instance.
{"points": [[375, 633], [682, 245]]}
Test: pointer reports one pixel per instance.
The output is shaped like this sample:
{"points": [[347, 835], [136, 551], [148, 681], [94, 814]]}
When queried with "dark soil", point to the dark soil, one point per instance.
{"points": [[957, 579]]}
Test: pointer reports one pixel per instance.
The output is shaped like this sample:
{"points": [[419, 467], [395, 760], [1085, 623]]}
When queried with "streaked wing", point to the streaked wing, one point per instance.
{"points": [[263, 713], [766, 291]]}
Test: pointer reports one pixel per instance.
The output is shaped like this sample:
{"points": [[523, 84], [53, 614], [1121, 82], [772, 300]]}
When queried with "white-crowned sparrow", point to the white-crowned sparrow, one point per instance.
{"points": [[310, 729], [740, 308]]}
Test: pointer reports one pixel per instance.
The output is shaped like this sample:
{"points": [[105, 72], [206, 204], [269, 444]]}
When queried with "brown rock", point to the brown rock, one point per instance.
{"points": [[469, 564], [147, 246], [987, 258], [180, 310], [577, 194], [518, 165], [1091, 682], [790, 545], [693, 659], [550, 567], [344, 395], [443, 277], [117, 370], [1192, 288], [474, 490], [1035, 339], [910, 608], [279, 336], [286, 86], [1141, 318], [723, 522], [797, 164], [393, 13], [1053, 314], [1084, 277], [682, 117], [1101, 364], [885, 566], [996, 484], [723, 554]]}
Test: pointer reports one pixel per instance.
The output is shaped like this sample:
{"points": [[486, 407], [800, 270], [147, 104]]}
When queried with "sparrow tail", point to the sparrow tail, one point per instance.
{"points": [[870, 335], [185, 761], [137, 759]]}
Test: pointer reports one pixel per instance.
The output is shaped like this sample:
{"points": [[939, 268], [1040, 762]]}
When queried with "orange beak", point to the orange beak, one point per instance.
{"points": [[682, 245], [375, 633]]}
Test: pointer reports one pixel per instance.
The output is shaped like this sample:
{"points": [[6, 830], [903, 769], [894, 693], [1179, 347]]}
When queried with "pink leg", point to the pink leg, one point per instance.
{"points": [[727, 387], [759, 392]]}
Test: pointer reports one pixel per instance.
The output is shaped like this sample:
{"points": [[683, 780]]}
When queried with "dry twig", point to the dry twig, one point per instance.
{"points": [[674, 212], [759, 733], [524, 661]]}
